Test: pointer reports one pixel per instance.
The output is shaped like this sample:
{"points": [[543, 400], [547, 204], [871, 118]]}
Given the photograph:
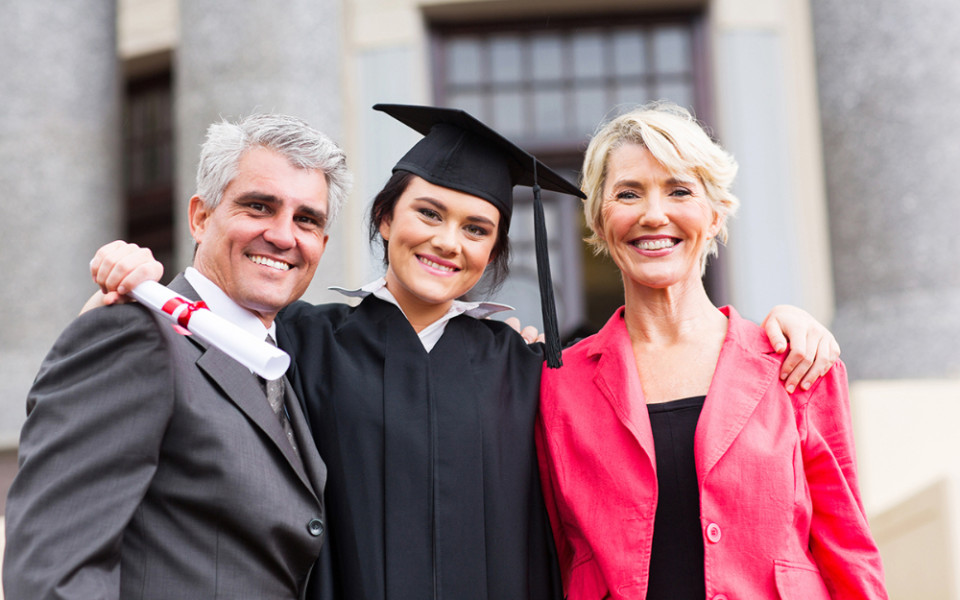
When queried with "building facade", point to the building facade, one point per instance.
{"points": [[845, 211]]}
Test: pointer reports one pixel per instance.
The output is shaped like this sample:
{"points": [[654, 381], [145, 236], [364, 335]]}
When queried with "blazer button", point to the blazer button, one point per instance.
{"points": [[315, 527], [713, 533]]}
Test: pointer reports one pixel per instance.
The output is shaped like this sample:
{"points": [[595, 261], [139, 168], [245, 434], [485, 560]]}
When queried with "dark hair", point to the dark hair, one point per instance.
{"points": [[382, 209]]}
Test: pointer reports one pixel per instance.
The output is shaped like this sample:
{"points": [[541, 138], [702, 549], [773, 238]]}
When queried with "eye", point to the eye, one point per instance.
{"points": [[308, 222], [626, 195], [681, 192], [429, 213], [257, 206], [477, 230]]}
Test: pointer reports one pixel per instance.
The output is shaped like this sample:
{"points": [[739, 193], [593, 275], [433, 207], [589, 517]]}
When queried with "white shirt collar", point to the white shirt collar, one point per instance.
{"points": [[223, 305], [429, 335]]}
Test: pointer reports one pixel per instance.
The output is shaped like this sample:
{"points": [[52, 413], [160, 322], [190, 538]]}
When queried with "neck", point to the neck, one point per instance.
{"points": [[666, 316], [419, 313]]}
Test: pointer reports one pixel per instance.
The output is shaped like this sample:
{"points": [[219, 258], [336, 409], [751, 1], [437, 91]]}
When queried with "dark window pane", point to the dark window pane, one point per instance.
{"points": [[629, 95], [588, 58], [508, 113], [463, 60], [629, 53], [506, 60], [672, 50], [678, 92], [546, 57], [590, 106], [548, 113]]}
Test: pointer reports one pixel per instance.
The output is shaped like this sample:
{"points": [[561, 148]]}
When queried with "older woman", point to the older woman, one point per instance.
{"points": [[675, 463]]}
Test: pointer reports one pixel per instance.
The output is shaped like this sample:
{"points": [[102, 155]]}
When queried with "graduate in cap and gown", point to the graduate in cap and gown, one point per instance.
{"points": [[423, 409]]}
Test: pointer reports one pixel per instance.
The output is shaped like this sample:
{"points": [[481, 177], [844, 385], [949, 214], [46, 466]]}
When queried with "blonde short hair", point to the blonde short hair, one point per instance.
{"points": [[672, 135]]}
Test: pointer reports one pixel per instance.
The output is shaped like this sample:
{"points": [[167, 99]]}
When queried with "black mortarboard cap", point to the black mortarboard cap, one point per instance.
{"points": [[461, 153]]}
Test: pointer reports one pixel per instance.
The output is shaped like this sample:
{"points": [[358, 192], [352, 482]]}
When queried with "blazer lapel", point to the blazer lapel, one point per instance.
{"points": [[243, 389], [617, 379], [744, 373], [316, 471]]}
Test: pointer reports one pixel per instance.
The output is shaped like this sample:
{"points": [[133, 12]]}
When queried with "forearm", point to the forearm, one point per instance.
{"points": [[841, 541]]}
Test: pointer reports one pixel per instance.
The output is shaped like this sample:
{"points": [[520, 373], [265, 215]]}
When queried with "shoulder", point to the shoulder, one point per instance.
{"points": [[302, 312], [496, 337], [584, 356], [746, 333], [110, 326], [113, 347], [569, 389], [303, 324]]}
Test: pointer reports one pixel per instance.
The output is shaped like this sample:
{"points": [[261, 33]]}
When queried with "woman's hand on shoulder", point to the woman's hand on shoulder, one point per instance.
{"points": [[118, 267], [812, 348]]}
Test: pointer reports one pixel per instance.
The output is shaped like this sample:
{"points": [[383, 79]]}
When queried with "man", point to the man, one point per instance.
{"points": [[153, 465]]}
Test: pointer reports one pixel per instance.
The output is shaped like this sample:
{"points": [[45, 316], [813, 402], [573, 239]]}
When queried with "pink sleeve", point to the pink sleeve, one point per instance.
{"points": [[840, 536]]}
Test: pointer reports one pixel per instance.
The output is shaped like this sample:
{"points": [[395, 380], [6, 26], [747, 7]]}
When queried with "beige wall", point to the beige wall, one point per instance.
{"points": [[909, 462]]}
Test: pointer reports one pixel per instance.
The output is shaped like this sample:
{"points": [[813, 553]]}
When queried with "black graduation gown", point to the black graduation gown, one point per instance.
{"points": [[432, 482]]}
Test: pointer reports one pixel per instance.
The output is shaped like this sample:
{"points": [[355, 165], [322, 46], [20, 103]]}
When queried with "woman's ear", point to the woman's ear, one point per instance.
{"points": [[384, 228], [717, 224]]}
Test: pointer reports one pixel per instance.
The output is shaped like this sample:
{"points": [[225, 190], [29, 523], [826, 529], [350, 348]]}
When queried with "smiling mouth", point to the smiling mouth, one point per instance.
{"points": [[657, 244], [437, 266], [269, 262]]}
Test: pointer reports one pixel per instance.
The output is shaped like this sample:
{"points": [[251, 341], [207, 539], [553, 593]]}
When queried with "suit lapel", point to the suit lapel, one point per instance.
{"points": [[743, 375], [617, 379], [311, 461], [243, 389]]}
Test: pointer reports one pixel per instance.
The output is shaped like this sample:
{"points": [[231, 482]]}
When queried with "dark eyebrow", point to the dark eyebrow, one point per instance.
{"points": [[319, 216], [443, 207], [260, 197]]}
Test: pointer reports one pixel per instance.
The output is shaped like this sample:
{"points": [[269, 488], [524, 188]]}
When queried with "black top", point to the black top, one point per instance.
{"points": [[676, 560], [432, 482]]}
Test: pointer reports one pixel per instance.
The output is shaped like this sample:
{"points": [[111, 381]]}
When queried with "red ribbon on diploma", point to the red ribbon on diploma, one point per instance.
{"points": [[171, 305]]}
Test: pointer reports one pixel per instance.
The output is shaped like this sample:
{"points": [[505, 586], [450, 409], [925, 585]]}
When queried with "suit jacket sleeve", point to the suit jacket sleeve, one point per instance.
{"points": [[88, 451], [840, 536]]}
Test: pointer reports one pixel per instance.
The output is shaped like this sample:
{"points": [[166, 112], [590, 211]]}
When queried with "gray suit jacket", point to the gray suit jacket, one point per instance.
{"points": [[153, 467]]}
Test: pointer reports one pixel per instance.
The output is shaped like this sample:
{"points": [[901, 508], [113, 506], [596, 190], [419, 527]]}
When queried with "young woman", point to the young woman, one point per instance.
{"points": [[423, 410]]}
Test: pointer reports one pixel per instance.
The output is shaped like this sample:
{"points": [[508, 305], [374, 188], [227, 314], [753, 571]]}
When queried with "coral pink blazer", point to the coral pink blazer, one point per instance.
{"points": [[779, 505]]}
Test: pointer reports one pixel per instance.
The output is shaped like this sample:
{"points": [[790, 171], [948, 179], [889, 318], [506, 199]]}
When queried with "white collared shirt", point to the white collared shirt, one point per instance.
{"points": [[223, 305], [431, 334]]}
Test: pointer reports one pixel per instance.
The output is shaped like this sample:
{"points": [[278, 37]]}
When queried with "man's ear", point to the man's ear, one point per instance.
{"points": [[198, 213]]}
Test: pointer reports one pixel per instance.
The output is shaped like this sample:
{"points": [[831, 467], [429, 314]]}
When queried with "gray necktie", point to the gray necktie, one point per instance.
{"points": [[274, 390]]}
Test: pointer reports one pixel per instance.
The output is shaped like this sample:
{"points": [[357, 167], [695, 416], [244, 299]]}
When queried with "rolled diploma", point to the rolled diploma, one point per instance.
{"points": [[262, 358]]}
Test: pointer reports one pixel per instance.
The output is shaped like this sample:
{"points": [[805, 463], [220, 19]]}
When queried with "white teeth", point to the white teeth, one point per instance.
{"points": [[434, 265], [269, 262], [658, 244]]}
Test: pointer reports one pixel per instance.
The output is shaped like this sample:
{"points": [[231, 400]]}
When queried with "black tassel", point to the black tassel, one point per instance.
{"points": [[547, 306]]}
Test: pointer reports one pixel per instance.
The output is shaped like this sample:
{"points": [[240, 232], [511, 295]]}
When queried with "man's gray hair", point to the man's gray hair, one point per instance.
{"points": [[302, 145]]}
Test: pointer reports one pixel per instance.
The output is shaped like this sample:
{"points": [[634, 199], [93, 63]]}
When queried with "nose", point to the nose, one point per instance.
{"points": [[652, 212], [446, 241], [279, 232]]}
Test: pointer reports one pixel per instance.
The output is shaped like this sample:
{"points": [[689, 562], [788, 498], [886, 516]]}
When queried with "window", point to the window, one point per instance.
{"points": [[547, 84], [148, 165]]}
